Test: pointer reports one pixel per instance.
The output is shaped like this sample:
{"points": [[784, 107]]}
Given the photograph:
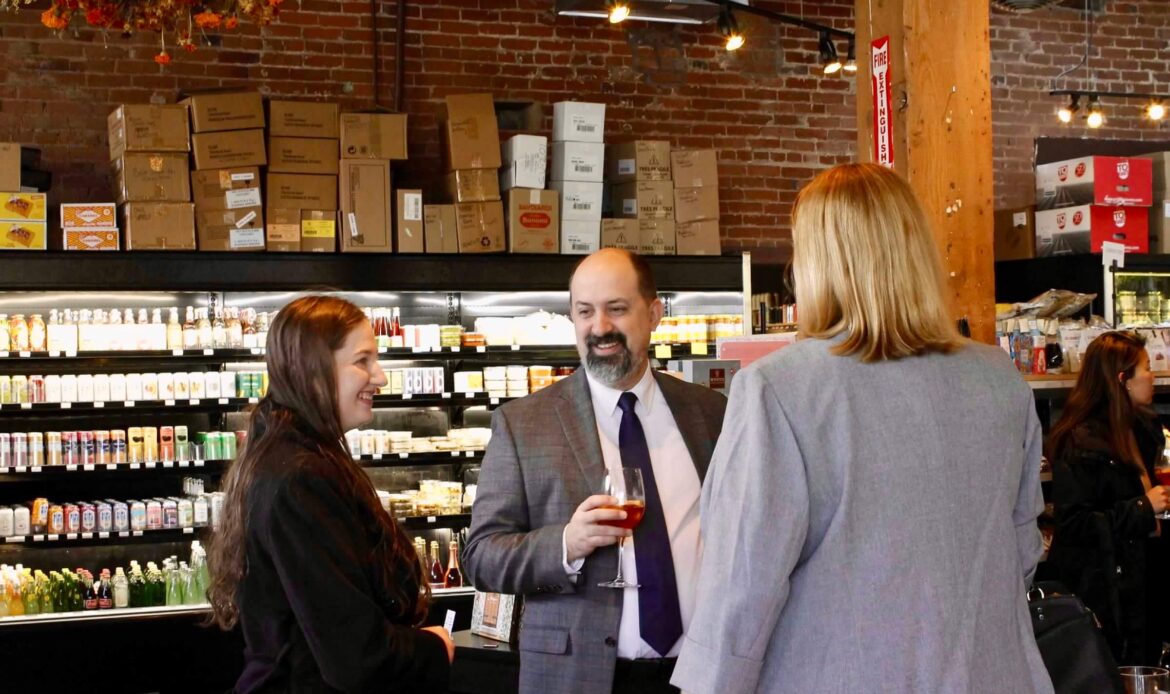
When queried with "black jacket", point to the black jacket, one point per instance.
{"points": [[313, 609], [1102, 549]]}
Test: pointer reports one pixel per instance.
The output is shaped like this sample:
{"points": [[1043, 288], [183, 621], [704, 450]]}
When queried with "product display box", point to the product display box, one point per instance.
{"points": [[23, 221], [578, 121], [240, 229], [1116, 181], [698, 238], [227, 149], [305, 155], [152, 177], [533, 220], [10, 166], [473, 185], [409, 227], [621, 233], [90, 240], [525, 162], [366, 215], [695, 168], [480, 227], [471, 135], [373, 136], [580, 201], [226, 189], [310, 231], [301, 192], [644, 200], [715, 374], [1015, 233], [656, 236], [148, 128], [439, 222], [641, 160], [578, 161], [159, 226], [303, 119], [100, 215], [1084, 228], [24, 207], [217, 111], [696, 204], [580, 237]]}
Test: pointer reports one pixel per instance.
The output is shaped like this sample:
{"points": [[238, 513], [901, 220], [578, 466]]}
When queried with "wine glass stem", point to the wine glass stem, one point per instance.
{"points": [[621, 552]]}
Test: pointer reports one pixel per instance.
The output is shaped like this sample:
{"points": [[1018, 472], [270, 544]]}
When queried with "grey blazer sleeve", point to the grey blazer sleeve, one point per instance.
{"points": [[504, 553], [756, 480], [1030, 501]]}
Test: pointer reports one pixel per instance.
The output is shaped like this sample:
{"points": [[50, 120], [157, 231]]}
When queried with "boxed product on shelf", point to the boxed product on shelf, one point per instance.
{"points": [[525, 161], [578, 161], [579, 237], [480, 227], [303, 119], [90, 240], [1082, 229], [715, 374], [409, 228], [695, 168], [306, 155], [440, 229], [698, 238], [373, 135], [23, 221], [473, 185], [644, 200], [240, 229], [578, 121], [656, 236], [1015, 233], [157, 226], [1160, 167], [229, 110], [621, 233], [319, 231], [152, 177], [1159, 227], [301, 192], [226, 189], [640, 160], [10, 166], [696, 204], [1097, 180], [227, 149], [282, 230], [366, 216], [471, 135], [580, 201], [148, 128], [89, 227], [532, 220]]}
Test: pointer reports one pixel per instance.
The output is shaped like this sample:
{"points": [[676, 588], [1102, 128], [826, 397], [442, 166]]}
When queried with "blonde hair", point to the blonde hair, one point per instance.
{"points": [[865, 264]]}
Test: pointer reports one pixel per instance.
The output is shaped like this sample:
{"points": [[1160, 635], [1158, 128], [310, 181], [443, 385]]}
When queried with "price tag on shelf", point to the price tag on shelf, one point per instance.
{"points": [[256, 350], [150, 466], [127, 403], [3, 471], [194, 401], [454, 454], [208, 352], [15, 538], [103, 536], [253, 401], [223, 401], [123, 533], [407, 396], [112, 466], [54, 354], [71, 353], [446, 396], [455, 350], [176, 352], [403, 456], [70, 536], [38, 538], [169, 403], [20, 468], [26, 405], [468, 454], [418, 348], [449, 622], [71, 468], [87, 536], [25, 353], [88, 468], [184, 463], [481, 349], [53, 537], [699, 349], [4, 354], [515, 348], [188, 531], [168, 464], [136, 533], [376, 456], [432, 519], [135, 466], [495, 401], [199, 463], [98, 404], [662, 352], [35, 468], [67, 406]]}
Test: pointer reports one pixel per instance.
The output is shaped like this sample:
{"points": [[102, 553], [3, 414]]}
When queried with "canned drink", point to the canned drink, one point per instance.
{"points": [[19, 389], [36, 449], [121, 516], [53, 448], [56, 519], [263, 383], [211, 446], [70, 448], [118, 446], [5, 450], [243, 384], [88, 517], [36, 388], [182, 445], [170, 510], [19, 449], [149, 444], [6, 390], [228, 385], [137, 515], [40, 514], [154, 515], [52, 388], [227, 445], [105, 517], [166, 444], [134, 445], [88, 445], [101, 443], [72, 518]]}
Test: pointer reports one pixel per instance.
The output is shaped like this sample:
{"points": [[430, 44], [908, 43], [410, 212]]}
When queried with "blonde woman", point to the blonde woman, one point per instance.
{"points": [[869, 516]]}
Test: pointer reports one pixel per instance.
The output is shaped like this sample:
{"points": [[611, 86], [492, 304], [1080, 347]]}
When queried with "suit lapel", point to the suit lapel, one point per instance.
{"points": [[575, 410], [690, 421]]}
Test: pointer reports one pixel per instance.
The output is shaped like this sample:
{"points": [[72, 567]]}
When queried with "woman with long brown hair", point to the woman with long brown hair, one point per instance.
{"points": [[1103, 450], [325, 587]]}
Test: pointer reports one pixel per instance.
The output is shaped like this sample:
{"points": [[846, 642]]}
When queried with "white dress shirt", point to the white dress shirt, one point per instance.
{"points": [[678, 487]]}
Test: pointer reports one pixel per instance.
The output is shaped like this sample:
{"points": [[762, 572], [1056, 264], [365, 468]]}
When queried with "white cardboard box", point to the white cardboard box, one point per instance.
{"points": [[578, 161], [578, 121], [525, 162], [579, 237], [579, 200]]}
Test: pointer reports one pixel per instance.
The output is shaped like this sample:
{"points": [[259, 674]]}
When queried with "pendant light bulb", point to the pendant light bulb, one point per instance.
{"points": [[618, 12], [851, 59], [1096, 118], [1066, 113], [1156, 110], [829, 54], [729, 28]]}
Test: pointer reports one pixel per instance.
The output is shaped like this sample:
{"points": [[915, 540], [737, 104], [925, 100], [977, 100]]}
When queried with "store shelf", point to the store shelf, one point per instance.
{"points": [[116, 615], [1058, 382], [161, 356], [58, 472], [41, 541], [408, 459], [452, 592], [439, 400], [461, 520], [200, 404]]}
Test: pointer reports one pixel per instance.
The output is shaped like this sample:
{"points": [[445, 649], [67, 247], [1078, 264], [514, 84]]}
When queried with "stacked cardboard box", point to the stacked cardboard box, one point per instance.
{"points": [[368, 140], [471, 137], [10, 166], [23, 221], [303, 166], [643, 190], [578, 172], [148, 148], [1087, 201], [1160, 210], [696, 201], [89, 226], [533, 218]]}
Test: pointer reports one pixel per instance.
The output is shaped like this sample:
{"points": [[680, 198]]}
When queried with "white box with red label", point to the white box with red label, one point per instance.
{"points": [[1083, 228], [1117, 181]]}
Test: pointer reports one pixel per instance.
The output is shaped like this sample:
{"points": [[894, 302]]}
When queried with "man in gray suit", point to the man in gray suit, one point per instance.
{"points": [[536, 526]]}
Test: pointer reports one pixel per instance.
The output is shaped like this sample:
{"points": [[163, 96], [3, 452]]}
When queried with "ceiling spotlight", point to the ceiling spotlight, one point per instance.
{"points": [[829, 54], [618, 11], [1156, 110], [851, 58], [1095, 118], [729, 28], [1065, 113]]}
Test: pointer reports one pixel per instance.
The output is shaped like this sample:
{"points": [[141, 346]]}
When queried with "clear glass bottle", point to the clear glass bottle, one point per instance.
{"points": [[174, 330], [205, 333], [219, 339], [235, 329], [121, 589]]}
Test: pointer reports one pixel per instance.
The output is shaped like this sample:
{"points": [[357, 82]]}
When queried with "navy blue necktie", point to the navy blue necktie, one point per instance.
{"points": [[659, 618]]}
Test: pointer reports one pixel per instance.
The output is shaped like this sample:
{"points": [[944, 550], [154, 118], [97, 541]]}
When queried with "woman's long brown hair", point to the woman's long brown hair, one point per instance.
{"points": [[1100, 396], [302, 403]]}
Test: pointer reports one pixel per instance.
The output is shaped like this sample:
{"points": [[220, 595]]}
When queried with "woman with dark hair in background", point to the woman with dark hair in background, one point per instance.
{"points": [[1103, 450], [326, 588]]}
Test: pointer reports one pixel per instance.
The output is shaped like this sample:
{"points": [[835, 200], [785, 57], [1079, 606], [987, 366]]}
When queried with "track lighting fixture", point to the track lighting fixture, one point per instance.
{"points": [[1155, 107], [729, 28], [1066, 113], [829, 54], [1095, 118], [618, 11], [851, 58]]}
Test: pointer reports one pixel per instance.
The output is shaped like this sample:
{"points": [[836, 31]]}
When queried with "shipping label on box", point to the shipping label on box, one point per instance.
{"points": [[159, 226], [696, 204], [579, 200], [302, 155], [470, 132], [230, 230], [283, 231], [319, 231], [23, 207], [227, 149], [1082, 229], [644, 200], [301, 192], [148, 128], [10, 166], [373, 135], [409, 230], [580, 237], [366, 217], [1117, 181], [473, 185], [23, 235], [641, 160], [578, 161], [303, 119], [480, 226], [226, 189], [441, 229], [90, 240], [698, 238], [152, 177], [100, 215], [695, 168], [533, 221], [657, 236], [1015, 233], [621, 233], [225, 111], [525, 162], [578, 121]]}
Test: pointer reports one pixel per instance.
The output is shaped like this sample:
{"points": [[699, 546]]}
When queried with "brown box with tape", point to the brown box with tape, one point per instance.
{"points": [[240, 229], [533, 221], [366, 219], [373, 135], [159, 226], [148, 128]]}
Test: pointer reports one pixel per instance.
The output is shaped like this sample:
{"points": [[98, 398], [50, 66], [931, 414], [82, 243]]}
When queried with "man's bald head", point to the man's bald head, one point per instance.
{"points": [[609, 259]]}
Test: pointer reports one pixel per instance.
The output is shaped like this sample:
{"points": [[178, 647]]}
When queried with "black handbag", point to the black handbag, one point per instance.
{"points": [[1071, 643]]}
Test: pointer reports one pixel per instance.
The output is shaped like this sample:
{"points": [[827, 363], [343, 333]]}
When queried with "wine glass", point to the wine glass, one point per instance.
{"points": [[1145, 680], [1162, 475], [626, 487]]}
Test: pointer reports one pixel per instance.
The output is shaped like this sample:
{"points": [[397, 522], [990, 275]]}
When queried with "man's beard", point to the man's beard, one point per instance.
{"points": [[612, 369]]}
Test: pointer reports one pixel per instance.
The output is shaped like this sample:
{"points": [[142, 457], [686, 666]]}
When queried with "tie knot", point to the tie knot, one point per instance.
{"points": [[627, 401]]}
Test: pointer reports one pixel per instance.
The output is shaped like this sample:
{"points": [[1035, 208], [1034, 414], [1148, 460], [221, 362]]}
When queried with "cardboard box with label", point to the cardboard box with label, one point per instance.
{"points": [[226, 189], [696, 204], [1097, 180], [228, 149], [644, 200], [641, 160], [580, 237], [148, 128], [695, 168], [152, 177], [282, 230], [10, 166], [217, 111], [409, 229], [23, 207], [525, 162], [230, 230], [621, 233], [159, 226], [473, 185], [90, 240], [1082, 229], [302, 155], [303, 119], [580, 201], [1015, 233], [366, 215], [441, 229], [578, 121], [656, 236], [23, 221], [319, 231], [471, 135], [480, 226], [301, 192], [698, 238], [578, 161], [533, 220], [373, 136], [97, 215]]}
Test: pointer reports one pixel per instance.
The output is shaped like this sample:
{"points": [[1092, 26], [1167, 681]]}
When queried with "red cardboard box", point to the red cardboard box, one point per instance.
{"points": [[1117, 181], [1082, 229]]}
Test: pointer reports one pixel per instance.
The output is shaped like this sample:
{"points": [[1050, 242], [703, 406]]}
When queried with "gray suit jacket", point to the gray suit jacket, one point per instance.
{"points": [[543, 461]]}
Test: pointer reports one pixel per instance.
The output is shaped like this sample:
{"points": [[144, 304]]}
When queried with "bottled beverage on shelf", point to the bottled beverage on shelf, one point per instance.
{"points": [[219, 338], [437, 575], [203, 324], [105, 593], [235, 329], [454, 577], [1039, 355], [190, 330], [174, 330]]}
